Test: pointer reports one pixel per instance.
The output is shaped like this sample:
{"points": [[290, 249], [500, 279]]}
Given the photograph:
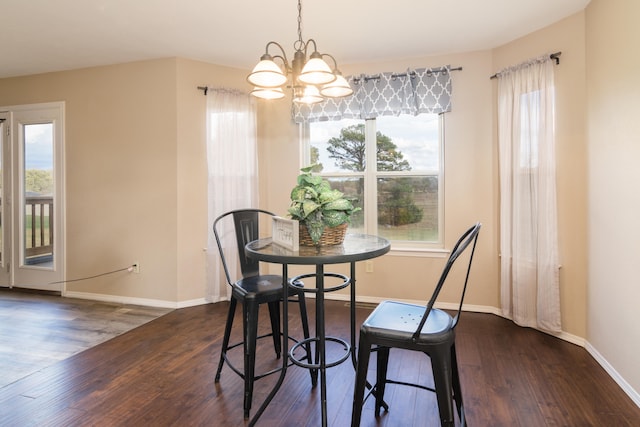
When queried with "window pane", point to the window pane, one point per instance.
{"points": [[408, 142], [353, 189], [402, 188], [408, 208], [38, 193], [337, 146], [529, 128]]}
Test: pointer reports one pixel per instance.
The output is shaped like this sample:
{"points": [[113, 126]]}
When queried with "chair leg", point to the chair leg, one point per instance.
{"points": [[274, 315], [364, 352], [457, 390], [441, 367], [305, 332], [381, 377], [250, 328], [227, 333]]}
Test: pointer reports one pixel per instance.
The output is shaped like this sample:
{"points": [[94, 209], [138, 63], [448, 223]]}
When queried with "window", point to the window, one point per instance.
{"points": [[529, 126], [401, 195]]}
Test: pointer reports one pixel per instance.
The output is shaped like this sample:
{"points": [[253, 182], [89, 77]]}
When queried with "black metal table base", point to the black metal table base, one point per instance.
{"points": [[320, 340], [356, 247]]}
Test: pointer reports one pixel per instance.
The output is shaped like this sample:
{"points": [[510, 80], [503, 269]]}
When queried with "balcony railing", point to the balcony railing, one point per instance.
{"points": [[38, 226]]}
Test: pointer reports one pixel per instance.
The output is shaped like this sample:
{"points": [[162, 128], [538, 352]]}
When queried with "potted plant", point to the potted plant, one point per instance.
{"points": [[319, 209]]}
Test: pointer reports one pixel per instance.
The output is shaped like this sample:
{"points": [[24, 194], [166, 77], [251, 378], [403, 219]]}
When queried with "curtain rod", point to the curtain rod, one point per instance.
{"points": [[555, 56], [206, 89], [433, 70]]}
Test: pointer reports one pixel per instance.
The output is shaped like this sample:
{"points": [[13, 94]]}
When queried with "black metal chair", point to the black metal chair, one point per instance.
{"points": [[252, 290], [420, 328]]}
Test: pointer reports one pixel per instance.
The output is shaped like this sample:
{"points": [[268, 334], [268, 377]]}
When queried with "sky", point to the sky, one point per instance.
{"points": [[38, 149], [415, 136]]}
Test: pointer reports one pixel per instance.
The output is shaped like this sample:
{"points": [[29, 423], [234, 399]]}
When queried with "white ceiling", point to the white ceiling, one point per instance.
{"points": [[51, 35]]}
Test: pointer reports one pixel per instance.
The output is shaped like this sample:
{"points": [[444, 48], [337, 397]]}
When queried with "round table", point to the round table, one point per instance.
{"points": [[356, 247]]}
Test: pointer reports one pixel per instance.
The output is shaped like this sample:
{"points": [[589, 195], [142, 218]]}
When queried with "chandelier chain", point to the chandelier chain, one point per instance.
{"points": [[300, 41]]}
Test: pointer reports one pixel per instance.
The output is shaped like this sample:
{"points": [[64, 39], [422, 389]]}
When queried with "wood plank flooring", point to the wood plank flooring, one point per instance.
{"points": [[39, 329], [162, 374]]}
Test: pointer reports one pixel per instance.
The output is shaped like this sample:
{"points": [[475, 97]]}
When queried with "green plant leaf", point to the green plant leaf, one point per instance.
{"points": [[338, 205], [308, 169], [298, 193], [295, 211], [330, 196], [309, 206], [335, 218], [315, 230], [308, 179]]}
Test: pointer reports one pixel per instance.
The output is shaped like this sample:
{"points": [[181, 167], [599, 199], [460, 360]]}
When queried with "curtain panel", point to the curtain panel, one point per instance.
{"points": [[530, 288], [422, 90], [232, 175]]}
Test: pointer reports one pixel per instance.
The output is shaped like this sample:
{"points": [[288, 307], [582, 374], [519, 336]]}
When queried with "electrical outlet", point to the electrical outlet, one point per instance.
{"points": [[368, 266], [136, 267]]}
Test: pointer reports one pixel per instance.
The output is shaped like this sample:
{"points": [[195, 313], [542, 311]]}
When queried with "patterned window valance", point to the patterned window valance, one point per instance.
{"points": [[423, 90]]}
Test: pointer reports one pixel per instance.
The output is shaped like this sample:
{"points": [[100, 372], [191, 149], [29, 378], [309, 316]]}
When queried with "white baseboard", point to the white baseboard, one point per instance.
{"points": [[118, 299], [624, 385]]}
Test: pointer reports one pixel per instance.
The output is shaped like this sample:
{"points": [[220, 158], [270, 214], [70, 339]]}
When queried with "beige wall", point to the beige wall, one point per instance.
{"points": [[191, 159], [568, 37], [135, 174], [120, 172], [613, 127]]}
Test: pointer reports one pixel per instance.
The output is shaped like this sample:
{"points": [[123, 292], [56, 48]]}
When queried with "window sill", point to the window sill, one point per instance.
{"points": [[407, 251]]}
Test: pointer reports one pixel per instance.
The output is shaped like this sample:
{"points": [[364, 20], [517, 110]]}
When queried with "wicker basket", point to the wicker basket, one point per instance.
{"points": [[330, 235]]}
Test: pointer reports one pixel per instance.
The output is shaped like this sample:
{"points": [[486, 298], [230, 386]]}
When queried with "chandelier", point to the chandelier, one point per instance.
{"points": [[311, 80]]}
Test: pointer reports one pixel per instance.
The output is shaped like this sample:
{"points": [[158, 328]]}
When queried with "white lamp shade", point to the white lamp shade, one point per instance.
{"points": [[337, 88], [267, 93], [316, 72], [267, 74], [308, 95]]}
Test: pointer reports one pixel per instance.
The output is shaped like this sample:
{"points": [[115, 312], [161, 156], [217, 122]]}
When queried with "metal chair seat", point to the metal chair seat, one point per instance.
{"points": [[395, 320]]}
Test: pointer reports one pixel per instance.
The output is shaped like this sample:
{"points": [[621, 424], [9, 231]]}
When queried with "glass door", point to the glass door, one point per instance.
{"points": [[32, 241]]}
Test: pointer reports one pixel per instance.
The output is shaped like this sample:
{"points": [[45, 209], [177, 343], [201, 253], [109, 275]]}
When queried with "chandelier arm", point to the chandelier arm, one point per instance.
{"points": [[285, 64], [283, 57], [306, 45], [335, 63]]}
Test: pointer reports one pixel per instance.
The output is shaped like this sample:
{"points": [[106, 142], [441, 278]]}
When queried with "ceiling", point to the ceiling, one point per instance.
{"points": [[44, 35]]}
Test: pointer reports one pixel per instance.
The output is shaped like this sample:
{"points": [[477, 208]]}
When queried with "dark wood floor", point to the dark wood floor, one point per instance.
{"points": [[162, 374], [39, 329]]}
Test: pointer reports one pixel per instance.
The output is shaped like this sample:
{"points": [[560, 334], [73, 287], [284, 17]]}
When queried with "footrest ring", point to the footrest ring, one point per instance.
{"points": [[299, 362]]}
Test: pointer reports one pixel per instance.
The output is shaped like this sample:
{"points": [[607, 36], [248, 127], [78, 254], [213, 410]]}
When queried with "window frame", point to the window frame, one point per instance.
{"points": [[370, 177]]}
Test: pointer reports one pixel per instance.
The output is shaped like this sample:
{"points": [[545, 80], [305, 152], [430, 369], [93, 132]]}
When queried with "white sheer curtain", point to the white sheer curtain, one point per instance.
{"points": [[233, 171], [528, 223]]}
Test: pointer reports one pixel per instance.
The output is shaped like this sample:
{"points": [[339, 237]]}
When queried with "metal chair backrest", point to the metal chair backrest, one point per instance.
{"points": [[246, 224], [469, 236]]}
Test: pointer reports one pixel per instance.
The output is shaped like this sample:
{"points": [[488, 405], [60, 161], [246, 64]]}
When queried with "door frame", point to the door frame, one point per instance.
{"points": [[6, 207], [21, 275]]}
